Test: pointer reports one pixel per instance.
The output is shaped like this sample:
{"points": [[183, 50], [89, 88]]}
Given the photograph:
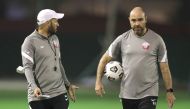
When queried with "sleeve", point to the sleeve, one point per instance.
{"points": [[115, 47], [162, 51], [27, 52], [66, 81]]}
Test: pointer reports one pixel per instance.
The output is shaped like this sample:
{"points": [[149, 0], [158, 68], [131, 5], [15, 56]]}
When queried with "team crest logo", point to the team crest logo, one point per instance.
{"points": [[55, 44], [145, 45]]}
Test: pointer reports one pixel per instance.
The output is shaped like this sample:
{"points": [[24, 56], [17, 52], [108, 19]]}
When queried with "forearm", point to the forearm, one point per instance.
{"points": [[30, 78], [66, 81], [100, 71], [101, 66], [168, 80], [166, 74], [168, 83]]}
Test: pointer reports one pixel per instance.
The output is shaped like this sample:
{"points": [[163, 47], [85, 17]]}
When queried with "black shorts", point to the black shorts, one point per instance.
{"points": [[58, 102], [144, 103]]}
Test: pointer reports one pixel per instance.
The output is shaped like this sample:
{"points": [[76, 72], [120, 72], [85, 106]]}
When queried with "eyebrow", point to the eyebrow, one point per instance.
{"points": [[136, 19]]}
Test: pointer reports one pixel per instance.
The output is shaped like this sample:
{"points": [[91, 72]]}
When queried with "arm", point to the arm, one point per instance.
{"points": [[100, 71], [27, 52], [66, 81], [112, 52], [164, 67], [166, 74]]}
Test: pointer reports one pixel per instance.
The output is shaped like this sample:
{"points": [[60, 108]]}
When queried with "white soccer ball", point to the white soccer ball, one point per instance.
{"points": [[113, 70], [20, 69]]}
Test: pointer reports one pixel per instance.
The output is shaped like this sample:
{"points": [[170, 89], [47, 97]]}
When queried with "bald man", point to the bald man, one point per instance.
{"points": [[141, 50]]}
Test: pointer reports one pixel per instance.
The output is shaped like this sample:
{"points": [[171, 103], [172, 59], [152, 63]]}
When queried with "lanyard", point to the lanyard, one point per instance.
{"points": [[54, 51]]}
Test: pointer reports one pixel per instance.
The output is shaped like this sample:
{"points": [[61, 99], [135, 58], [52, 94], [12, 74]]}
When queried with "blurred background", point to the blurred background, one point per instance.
{"points": [[87, 29]]}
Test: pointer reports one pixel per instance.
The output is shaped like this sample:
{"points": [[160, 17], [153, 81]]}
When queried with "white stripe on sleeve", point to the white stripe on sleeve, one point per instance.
{"points": [[27, 57], [110, 51], [164, 59]]}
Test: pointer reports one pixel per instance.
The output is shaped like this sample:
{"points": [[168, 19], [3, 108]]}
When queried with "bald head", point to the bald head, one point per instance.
{"points": [[138, 21], [137, 11]]}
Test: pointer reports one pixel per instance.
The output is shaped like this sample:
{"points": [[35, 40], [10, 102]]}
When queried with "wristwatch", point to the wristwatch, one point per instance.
{"points": [[170, 90]]}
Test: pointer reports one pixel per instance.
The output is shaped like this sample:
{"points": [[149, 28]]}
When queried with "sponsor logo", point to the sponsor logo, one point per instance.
{"points": [[66, 98], [42, 46]]}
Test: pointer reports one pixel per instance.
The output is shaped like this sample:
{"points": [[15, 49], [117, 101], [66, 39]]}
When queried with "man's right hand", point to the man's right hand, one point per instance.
{"points": [[99, 88], [37, 92]]}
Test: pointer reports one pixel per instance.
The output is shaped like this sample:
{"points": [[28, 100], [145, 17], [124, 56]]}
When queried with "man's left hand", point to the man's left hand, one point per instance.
{"points": [[170, 99]]}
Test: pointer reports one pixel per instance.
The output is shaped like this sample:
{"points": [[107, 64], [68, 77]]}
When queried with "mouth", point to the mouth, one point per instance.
{"points": [[137, 29]]}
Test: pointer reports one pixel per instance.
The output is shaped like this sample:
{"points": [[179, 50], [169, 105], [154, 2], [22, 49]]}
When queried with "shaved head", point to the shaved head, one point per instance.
{"points": [[137, 11], [138, 21]]}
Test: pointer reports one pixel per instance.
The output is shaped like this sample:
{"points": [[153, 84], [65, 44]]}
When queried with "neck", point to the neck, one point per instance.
{"points": [[43, 32], [145, 30]]}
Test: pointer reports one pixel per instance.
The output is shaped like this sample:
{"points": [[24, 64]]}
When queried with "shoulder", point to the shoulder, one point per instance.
{"points": [[124, 35], [31, 38], [155, 35], [157, 38]]}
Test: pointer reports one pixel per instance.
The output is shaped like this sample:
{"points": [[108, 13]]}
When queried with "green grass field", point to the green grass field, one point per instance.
{"points": [[88, 100]]}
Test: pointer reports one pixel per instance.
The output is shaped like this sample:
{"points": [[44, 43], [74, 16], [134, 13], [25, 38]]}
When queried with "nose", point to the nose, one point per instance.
{"points": [[137, 23]]}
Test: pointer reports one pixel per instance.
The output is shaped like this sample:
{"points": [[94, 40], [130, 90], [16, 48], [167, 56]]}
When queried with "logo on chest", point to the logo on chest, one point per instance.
{"points": [[55, 44], [145, 45], [41, 46]]}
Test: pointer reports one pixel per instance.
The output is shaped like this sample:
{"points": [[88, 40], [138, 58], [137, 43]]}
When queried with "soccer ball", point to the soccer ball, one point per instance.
{"points": [[20, 69], [113, 70]]}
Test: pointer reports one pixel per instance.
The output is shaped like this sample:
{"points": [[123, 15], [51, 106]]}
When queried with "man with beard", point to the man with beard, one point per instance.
{"points": [[47, 81], [140, 50]]}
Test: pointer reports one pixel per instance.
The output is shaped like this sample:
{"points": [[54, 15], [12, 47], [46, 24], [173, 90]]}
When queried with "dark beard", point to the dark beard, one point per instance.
{"points": [[51, 30], [138, 30]]}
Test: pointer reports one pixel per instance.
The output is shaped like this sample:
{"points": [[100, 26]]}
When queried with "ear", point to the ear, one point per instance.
{"points": [[48, 22], [129, 18]]}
